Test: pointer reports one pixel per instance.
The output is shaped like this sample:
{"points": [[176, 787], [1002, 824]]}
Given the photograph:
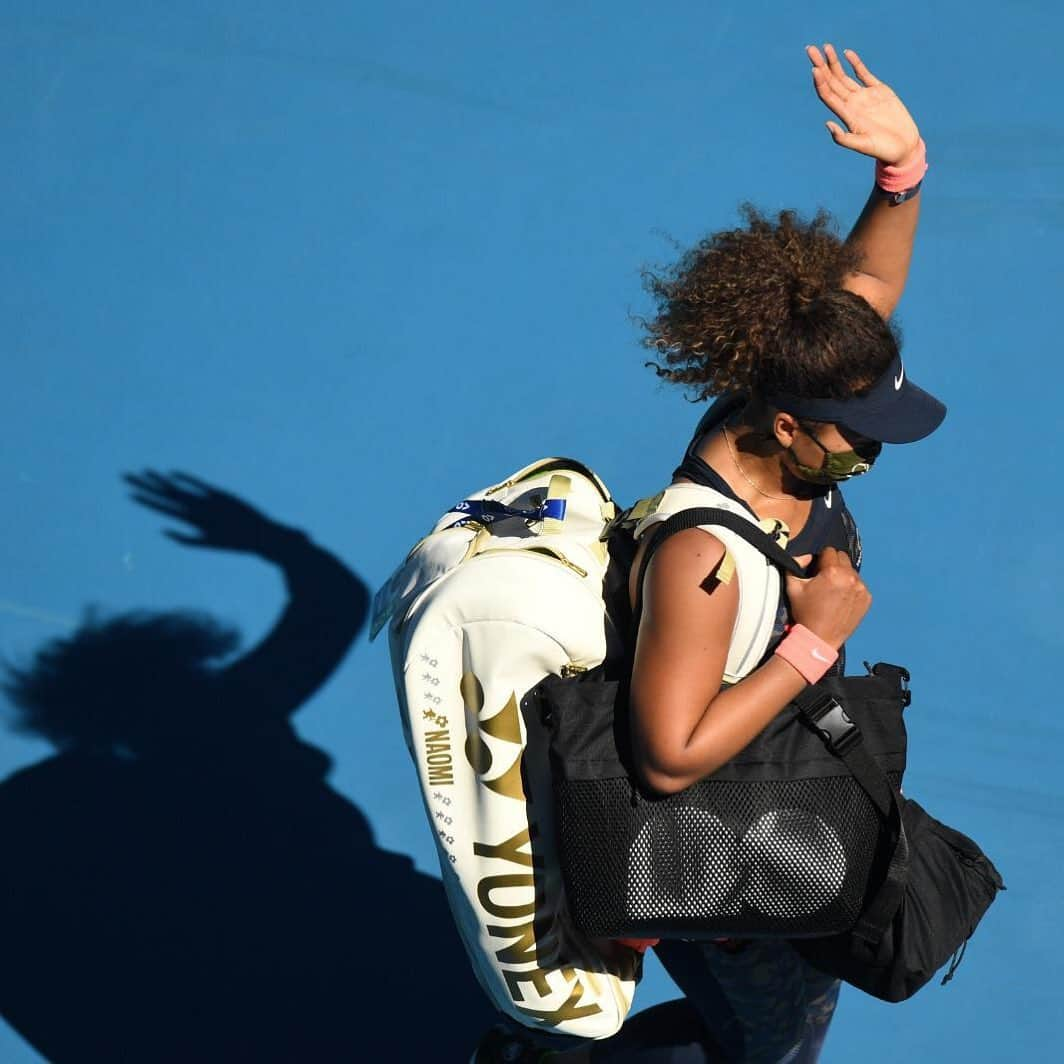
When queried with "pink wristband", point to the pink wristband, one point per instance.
{"points": [[807, 652], [907, 174]]}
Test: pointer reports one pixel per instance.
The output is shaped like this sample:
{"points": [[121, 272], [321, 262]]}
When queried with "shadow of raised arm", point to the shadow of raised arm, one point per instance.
{"points": [[327, 603]]}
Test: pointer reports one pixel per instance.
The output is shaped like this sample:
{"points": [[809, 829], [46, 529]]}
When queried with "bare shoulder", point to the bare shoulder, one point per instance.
{"points": [[686, 553], [683, 576]]}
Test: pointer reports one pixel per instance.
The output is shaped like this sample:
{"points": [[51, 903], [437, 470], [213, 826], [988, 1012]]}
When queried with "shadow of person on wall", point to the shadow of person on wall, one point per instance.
{"points": [[180, 882]]}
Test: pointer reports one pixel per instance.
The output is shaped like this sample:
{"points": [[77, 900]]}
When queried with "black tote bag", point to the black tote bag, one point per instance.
{"points": [[803, 835], [781, 841]]}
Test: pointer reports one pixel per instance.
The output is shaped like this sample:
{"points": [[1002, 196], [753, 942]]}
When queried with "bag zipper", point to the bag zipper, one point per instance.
{"points": [[548, 553]]}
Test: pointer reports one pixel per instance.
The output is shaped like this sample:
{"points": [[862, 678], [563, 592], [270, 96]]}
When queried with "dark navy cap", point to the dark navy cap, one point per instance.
{"points": [[893, 411]]}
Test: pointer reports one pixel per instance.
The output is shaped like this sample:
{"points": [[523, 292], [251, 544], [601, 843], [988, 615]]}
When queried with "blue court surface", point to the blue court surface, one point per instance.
{"points": [[348, 262]]}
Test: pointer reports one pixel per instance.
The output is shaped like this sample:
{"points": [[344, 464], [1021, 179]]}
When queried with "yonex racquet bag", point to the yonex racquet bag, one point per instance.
{"points": [[511, 586], [507, 588]]}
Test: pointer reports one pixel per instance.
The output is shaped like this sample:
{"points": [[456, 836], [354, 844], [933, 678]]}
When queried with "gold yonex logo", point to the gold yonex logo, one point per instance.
{"points": [[505, 726]]}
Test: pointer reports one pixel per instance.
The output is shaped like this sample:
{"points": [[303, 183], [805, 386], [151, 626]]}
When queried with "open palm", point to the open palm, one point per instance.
{"points": [[877, 122], [222, 520]]}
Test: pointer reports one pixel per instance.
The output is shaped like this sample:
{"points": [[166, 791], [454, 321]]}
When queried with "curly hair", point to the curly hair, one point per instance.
{"points": [[761, 309]]}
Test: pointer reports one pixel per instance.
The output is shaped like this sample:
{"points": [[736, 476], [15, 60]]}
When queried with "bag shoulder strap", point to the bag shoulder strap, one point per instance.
{"points": [[704, 515], [825, 715], [699, 516]]}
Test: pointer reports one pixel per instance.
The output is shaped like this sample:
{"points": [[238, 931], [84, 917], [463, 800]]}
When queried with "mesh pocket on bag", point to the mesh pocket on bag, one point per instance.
{"points": [[723, 857]]}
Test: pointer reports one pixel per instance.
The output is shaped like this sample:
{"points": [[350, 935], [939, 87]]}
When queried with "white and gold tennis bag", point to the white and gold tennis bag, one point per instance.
{"points": [[507, 589]]}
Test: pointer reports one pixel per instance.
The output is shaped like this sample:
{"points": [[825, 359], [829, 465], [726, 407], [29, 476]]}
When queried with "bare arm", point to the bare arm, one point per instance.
{"points": [[886, 236], [683, 726], [878, 125]]}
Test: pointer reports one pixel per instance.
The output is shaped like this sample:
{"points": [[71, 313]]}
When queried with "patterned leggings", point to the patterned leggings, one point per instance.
{"points": [[757, 1002]]}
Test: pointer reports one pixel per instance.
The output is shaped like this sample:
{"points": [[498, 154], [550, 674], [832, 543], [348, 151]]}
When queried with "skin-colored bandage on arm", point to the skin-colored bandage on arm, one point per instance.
{"points": [[726, 569]]}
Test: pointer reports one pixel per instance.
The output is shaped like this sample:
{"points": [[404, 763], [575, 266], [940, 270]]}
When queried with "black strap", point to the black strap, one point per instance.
{"points": [[705, 515], [879, 911], [741, 526]]}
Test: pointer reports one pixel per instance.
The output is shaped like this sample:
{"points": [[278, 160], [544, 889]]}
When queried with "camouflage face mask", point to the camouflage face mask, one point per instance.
{"points": [[837, 465]]}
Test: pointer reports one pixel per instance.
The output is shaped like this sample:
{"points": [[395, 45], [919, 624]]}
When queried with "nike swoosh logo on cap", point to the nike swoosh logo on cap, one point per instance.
{"points": [[898, 379]]}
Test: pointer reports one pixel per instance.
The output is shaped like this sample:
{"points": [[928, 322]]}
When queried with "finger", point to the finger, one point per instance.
{"points": [[815, 57], [147, 495], [163, 506], [187, 478], [860, 69], [829, 93], [838, 71], [158, 484], [834, 556], [137, 480], [853, 141], [185, 540], [838, 134], [797, 580], [154, 477], [146, 478]]}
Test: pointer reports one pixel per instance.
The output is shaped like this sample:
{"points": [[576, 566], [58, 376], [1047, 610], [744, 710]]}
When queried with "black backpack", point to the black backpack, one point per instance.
{"points": [[804, 835]]}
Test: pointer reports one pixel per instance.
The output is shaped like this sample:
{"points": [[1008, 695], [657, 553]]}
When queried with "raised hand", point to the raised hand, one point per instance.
{"points": [[222, 521], [877, 122]]}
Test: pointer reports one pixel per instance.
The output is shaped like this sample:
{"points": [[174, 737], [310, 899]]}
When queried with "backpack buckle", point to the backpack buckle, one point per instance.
{"points": [[832, 723]]}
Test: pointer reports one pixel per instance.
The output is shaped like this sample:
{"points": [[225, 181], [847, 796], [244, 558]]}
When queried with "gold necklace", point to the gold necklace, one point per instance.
{"points": [[742, 472]]}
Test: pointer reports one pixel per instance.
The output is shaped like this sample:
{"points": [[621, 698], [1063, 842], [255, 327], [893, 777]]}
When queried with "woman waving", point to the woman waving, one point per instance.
{"points": [[787, 326]]}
